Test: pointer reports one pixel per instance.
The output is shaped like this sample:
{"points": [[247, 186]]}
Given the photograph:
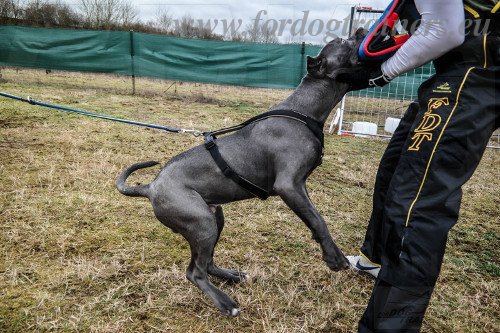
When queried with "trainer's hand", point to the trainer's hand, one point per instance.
{"points": [[363, 77]]}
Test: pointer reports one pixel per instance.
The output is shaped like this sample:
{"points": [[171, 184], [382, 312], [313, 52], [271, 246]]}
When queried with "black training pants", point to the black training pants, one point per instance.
{"points": [[435, 150]]}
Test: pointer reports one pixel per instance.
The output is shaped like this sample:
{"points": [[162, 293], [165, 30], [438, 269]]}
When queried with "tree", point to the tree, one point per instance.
{"points": [[187, 27], [260, 33], [127, 14], [48, 13], [5, 8], [10, 8], [108, 13], [268, 36], [163, 21]]}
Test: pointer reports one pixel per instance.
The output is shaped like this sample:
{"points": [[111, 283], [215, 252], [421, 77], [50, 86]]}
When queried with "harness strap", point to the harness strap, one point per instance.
{"points": [[210, 144], [315, 126], [230, 173]]}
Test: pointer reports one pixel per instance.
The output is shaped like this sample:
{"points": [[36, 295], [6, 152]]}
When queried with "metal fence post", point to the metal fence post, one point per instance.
{"points": [[351, 21], [132, 60], [302, 64]]}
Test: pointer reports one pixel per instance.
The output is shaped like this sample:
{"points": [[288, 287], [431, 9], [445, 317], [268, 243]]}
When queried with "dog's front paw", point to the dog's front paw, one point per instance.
{"points": [[337, 263]]}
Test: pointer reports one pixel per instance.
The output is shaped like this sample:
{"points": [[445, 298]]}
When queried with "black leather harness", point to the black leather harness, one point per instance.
{"points": [[210, 137]]}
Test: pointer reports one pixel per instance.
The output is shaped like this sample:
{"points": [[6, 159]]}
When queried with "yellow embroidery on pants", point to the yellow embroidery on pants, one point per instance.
{"points": [[429, 123]]}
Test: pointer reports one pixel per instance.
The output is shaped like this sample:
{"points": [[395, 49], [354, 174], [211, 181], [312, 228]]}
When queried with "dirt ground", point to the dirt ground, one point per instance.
{"points": [[77, 256]]}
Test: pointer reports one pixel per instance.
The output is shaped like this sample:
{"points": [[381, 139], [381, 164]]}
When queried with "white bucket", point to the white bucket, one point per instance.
{"points": [[391, 124], [364, 129]]}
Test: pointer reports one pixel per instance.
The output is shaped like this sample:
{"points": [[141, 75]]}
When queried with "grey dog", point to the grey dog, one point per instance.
{"points": [[278, 154]]}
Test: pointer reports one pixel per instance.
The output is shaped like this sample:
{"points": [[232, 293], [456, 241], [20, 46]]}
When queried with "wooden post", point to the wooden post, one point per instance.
{"points": [[132, 60]]}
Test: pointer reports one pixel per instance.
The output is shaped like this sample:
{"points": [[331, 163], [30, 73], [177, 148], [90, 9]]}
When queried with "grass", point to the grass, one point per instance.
{"points": [[79, 257]]}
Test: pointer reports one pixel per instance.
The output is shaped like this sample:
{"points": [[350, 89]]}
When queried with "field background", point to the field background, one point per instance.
{"points": [[77, 256]]}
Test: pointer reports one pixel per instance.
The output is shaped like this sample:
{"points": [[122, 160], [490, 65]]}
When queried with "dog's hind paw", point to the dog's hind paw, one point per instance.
{"points": [[235, 312]]}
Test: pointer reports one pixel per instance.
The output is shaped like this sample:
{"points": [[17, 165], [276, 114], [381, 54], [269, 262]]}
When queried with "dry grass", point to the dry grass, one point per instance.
{"points": [[79, 257]]}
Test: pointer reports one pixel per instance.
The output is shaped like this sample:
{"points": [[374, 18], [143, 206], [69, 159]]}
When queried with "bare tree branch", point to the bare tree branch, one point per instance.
{"points": [[108, 13]]}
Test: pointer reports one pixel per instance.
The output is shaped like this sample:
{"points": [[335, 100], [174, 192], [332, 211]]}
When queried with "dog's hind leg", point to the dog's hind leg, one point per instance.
{"points": [[296, 197], [202, 240], [225, 274], [190, 216], [201, 232]]}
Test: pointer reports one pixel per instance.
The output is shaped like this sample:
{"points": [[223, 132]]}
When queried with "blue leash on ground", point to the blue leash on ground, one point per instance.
{"points": [[102, 116]]}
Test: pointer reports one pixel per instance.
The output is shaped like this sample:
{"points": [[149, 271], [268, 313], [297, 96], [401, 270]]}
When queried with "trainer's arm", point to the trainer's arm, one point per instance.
{"points": [[441, 30]]}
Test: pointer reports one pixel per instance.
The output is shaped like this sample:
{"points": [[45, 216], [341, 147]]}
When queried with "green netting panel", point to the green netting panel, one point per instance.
{"points": [[246, 64], [73, 50]]}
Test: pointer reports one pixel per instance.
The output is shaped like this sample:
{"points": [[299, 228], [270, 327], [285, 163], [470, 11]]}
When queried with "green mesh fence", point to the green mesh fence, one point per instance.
{"points": [[246, 64], [165, 57], [73, 50]]}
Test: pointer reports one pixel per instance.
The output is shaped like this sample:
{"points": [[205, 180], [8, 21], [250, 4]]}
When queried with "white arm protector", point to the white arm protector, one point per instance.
{"points": [[441, 30]]}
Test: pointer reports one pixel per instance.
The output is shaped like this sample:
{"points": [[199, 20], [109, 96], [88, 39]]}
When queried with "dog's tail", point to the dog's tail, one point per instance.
{"points": [[133, 191]]}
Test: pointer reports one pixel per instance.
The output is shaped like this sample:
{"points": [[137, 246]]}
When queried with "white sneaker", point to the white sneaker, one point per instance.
{"points": [[361, 264]]}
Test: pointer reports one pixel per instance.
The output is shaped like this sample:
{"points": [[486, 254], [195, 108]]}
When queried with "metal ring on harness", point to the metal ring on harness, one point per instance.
{"points": [[379, 44]]}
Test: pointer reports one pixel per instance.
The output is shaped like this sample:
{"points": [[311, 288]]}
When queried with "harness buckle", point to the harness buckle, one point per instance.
{"points": [[228, 172], [209, 141]]}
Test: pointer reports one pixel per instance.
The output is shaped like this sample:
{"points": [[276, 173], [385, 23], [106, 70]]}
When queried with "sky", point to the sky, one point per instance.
{"points": [[271, 12]]}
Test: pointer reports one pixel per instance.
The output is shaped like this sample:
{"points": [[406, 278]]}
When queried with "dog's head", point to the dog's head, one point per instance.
{"points": [[336, 56]]}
